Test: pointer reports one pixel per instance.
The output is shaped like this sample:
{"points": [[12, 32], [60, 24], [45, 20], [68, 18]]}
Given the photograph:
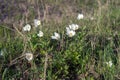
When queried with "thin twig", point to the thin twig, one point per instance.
{"points": [[38, 11], [15, 60], [18, 31], [25, 39], [45, 66], [8, 28], [20, 57]]}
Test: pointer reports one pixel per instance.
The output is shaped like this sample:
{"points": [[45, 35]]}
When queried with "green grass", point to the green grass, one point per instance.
{"points": [[82, 57]]}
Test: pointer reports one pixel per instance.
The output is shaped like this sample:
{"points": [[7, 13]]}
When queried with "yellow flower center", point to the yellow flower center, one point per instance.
{"points": [[70, 35]]}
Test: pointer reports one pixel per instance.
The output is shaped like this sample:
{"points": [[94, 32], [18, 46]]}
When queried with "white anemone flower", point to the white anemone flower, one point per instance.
{"points": [[27, 27], [80, 16], [37, 22], [56, 36], [69, 32], [29, 56], [40, 34], [109, 63], [73, 27]]}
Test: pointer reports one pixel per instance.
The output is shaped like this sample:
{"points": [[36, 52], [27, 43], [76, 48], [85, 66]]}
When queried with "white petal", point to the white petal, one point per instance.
{"points": [[70, 33], [57, 35], [91, 18], [29, 56], [67, 29], [40, 34], [53, 37], [70, 26], [24, 29], [80, 16], [2, 52], [109, 63], [76, 27], [27, 27], [37, 22], [73, 27]]}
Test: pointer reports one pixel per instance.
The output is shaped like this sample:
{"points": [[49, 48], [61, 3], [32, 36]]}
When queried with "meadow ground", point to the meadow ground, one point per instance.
{"points": [[47, 40]]}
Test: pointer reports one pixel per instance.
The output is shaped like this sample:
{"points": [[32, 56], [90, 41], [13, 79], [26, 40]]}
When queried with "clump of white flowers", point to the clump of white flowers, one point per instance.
{"points": [[37, 22], [70, 32], [27, 27], [80, 16], [56, 36], [29, 56], [40, 34], [109, 63], [73, 27]]}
